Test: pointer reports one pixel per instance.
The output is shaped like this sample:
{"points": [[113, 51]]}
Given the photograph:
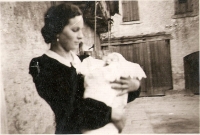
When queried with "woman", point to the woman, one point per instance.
{"points": [[56, 80]]}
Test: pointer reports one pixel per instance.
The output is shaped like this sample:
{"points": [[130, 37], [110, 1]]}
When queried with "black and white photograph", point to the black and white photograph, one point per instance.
{"points": [[99, 67]]}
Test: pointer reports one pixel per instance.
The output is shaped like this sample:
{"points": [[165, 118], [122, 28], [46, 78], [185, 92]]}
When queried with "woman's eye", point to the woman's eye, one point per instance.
{"points": [[75, 30]]}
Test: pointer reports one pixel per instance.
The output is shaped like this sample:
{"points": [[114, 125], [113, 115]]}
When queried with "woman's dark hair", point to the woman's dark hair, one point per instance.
{"points": [[56, 18]]}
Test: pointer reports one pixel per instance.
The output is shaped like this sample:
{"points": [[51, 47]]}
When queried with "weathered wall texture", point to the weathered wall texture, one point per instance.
{"points": [[21, 40], [185, 41], [156, 16], [153, 18]]}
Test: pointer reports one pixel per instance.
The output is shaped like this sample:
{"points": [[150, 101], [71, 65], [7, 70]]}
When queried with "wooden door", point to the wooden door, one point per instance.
{"points": [[154, 58], [141, 56], [191, 68], [161, 73]]}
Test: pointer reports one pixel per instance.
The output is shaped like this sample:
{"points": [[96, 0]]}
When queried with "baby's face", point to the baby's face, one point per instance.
{"points": [[110, 58]]}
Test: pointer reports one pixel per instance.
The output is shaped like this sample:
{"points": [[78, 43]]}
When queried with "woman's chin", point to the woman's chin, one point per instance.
{"points": [[76, 46], [74, 49]]}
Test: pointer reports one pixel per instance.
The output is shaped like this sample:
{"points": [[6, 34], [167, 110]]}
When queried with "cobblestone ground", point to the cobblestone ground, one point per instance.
{"points": [[167, 114]]}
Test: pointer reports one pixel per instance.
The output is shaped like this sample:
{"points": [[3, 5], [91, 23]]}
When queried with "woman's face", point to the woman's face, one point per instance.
{"points": [[71, 35]]}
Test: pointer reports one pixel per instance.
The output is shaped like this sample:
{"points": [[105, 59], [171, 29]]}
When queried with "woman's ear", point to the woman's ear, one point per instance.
{"points": [[57, 37]]}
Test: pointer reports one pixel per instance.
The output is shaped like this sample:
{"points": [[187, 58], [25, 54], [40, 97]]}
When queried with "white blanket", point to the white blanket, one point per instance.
{"points": [[98, 75]]}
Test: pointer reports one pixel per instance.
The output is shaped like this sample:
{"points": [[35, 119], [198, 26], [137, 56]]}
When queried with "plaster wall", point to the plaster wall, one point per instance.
{"points": [[24, 111], [185, 41], [20, 41], [154, 16], [157, 16]]}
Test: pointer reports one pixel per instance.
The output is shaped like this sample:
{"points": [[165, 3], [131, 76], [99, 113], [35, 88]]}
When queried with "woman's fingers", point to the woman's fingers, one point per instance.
{"points": [[117, 81], [122, 93], [116, 86], [126, 84], [119, 86], [122, 80]]}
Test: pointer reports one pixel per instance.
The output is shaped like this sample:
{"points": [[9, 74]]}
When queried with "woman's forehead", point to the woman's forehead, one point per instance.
{"points": [[76, 21]]}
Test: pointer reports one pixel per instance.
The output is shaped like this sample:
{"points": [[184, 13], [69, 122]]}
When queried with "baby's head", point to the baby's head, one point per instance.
{"points": [[113, 57]]}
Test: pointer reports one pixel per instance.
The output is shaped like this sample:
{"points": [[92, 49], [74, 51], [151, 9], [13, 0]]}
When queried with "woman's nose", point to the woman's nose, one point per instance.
{"points": [[80, 34]]}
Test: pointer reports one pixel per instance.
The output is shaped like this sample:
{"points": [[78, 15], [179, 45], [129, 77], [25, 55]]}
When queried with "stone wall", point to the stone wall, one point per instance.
{"points": [[21, 40], [158, 16]]}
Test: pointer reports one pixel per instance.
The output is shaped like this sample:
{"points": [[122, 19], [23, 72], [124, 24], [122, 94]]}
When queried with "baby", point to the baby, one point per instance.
{"points": [[97, 77]]}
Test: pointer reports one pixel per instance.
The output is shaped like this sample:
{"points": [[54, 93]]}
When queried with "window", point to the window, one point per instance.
{"points": [[183, 6], [130, 11]]}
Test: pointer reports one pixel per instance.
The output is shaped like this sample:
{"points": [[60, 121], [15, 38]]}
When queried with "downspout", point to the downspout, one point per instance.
{"points": [[95, 25]]}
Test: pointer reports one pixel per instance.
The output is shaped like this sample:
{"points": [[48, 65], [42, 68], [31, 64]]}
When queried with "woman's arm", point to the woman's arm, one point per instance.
{"points": [[78, 113], [103, 115], [115, 116]]}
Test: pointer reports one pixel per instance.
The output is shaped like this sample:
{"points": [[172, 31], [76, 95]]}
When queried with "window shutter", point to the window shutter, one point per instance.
{"points": [[189, 5], [183, 6], [134, 10], [130, 11], [176, 7], [125, 11], [182, 1]]}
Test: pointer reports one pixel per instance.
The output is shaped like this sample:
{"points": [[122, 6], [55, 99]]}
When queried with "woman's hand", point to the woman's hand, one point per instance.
{"points": [[126, 84]]}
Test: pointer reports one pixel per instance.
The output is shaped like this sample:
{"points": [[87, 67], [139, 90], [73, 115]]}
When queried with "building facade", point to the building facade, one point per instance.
{"points": [[157, 35], [173, 25]]}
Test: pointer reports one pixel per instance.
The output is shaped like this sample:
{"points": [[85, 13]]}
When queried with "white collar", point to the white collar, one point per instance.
{"points": [[75, 63]]}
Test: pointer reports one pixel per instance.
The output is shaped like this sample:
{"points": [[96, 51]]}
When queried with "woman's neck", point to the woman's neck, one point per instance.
{"points": [[62, 52]]}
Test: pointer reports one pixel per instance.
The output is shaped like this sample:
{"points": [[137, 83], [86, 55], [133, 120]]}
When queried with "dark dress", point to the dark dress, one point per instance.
{"points": [[61, 87]]}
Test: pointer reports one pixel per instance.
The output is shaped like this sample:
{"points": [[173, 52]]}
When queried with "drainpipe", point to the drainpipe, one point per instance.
{"points": [[109, 34], [95, 25]]}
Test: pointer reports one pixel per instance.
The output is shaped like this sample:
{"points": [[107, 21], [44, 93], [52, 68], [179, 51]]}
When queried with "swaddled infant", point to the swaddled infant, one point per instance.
{"points": [[97, 77]]}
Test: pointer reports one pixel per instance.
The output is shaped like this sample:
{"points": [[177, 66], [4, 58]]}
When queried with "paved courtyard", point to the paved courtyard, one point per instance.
{"points": [[171, 114]]}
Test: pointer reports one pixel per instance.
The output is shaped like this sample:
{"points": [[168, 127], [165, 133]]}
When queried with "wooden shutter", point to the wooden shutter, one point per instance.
{"points": [[125, 11], [190, 5], [183, 6], [134, 15], [130, 11]]}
